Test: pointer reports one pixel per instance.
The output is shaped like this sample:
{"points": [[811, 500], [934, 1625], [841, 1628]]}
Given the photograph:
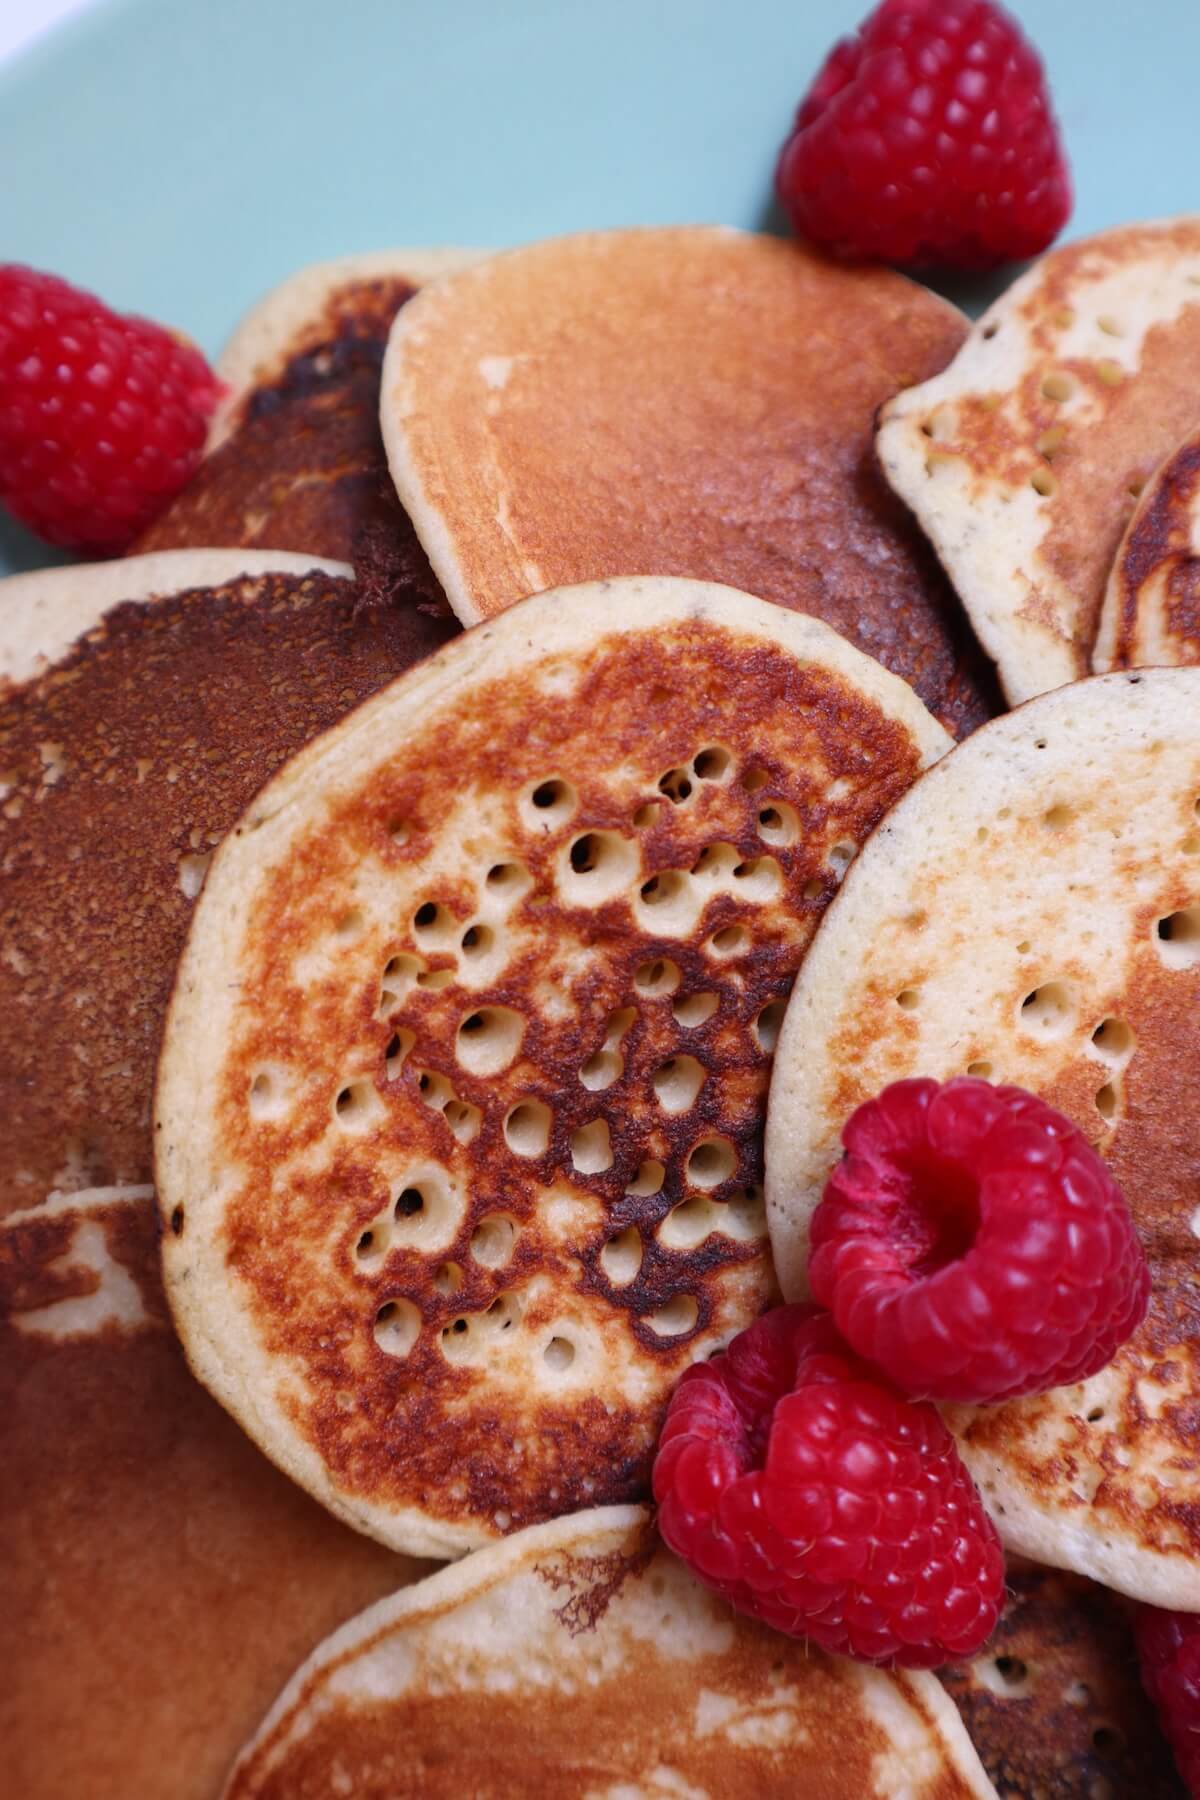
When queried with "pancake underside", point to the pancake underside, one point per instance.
{"points": [[130, 1501], [1030, 914], [146, 701], [691, 401]]}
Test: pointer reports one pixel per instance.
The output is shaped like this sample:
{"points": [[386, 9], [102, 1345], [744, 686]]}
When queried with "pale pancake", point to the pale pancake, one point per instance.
{"points": [[1005, 920], [459, 1110], [1151, 612], [1023, 459], [581, 1660], [142, 703], [691, 401], [1054, 1704], [294, 459], [161, 1579]]}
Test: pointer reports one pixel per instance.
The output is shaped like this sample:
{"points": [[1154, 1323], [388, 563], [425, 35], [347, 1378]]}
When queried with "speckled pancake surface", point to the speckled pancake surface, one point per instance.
{"points": [[460, 1103], [142, 703], [295, 460], [1024, 458], [1030, 912], [1054, 1703], [581, 1661], [1151, 611], [691, 401], [161, 1579]]}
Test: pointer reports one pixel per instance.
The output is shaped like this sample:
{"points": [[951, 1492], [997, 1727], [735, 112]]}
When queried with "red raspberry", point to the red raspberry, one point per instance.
{"points": [[929, 138], [974, 1245], [1168, 1647], [809, 1494], [102, 418]]}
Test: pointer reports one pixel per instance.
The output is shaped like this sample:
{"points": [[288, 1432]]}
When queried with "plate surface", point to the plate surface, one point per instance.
{"points": [[181, 156]]}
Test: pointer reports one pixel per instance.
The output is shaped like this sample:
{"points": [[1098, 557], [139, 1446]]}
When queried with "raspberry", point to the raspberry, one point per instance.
{"points": [[929, 138], [809, 1494], [974, 1245], [1168, 1647], [102, 418]]}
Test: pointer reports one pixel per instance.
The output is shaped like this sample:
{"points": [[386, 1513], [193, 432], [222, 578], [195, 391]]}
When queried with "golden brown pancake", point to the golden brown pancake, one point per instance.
{"points": [[1024, 458], [1030, 912], [130, 740], [160, 1577], [295, 459], [1151, 610], [1054, 1703], [460, 1102], [580, 1661], [693, 401]]}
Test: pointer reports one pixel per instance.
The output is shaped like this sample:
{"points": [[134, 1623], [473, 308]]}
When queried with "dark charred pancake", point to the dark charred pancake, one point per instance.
{"points": [[122, 765], [1030, 912], [1024, 459], [461, 1094], [693, 402], [161, 1579], [581, 1660], [1054, 1704], [299, 464]]}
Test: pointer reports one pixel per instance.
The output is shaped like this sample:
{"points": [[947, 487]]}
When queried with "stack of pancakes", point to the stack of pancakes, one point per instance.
{"points": [[464, 956]]}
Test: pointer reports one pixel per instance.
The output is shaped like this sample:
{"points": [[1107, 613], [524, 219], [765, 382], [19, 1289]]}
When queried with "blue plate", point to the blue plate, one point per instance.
{"points": [[181, 156]]}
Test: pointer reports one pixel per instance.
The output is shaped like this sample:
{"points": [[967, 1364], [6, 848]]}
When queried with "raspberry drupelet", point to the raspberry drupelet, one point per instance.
{"points": [[974, 1245], [102, 418], [928, 137], [806, 1491]]}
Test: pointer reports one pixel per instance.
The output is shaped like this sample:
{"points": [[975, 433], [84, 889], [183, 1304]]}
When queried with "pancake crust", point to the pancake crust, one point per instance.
{"points": [[581, 1659], [130, 740], [161, 1579], [1054, 1705], [460, 1102], [295, 459], [1031, 912], [1151, 609], [1023, 459], [692, 402]]}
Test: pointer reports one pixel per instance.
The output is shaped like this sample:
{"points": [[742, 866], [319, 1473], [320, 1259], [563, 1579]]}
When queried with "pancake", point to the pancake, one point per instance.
{"points": [[161, 1579], [459, 1108], [1151, 612], [1023, 459], [581, 1659], [1029, 912], [677, 402], [1054, 1703], [294, 459], [142, 703]]}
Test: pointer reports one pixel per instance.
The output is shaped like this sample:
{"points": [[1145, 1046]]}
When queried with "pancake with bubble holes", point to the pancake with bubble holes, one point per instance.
{"points": [[294, 458], [693, 401], [161, 1579], [1030, 913], [464, 1683], [1023, 459], [142, 703], [459, 1109], [1054, 1702], [1151, 611]]}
